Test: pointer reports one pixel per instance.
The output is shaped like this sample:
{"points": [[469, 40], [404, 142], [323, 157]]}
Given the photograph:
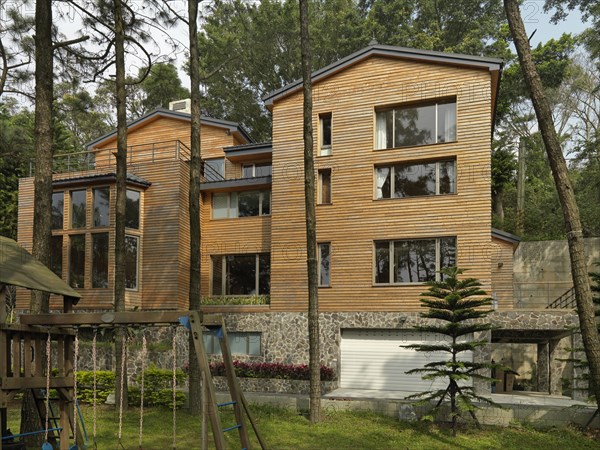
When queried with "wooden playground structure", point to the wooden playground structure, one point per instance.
{"points": [[40, 354]]}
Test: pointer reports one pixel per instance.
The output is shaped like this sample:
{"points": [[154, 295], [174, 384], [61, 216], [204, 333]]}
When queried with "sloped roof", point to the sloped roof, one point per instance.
{"points": [[19, 268], [455, 59], [233, 127]]}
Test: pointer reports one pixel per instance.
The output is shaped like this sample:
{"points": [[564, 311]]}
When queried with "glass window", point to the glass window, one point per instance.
{"points": [[220, 205], [324, 264], [101, 206], [412, 261], [325, 134], [416, 125], [244, 274], [257, 170], [240, 343], [100, 260], [214, 169], [78, 205], [58, 207], [248, 203], [324, 186], [411, 180], [241, 204], [382, 262], [132, 209], [131, 262], [56, 254], [77, 260]]}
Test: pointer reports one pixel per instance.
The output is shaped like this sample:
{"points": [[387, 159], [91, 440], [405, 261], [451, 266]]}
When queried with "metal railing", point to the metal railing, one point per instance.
{"points": [[105, 159], [565, 301], [539, 294]]}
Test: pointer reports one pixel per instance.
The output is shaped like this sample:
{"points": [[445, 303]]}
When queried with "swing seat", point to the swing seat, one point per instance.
{"points": [[74, 447], [47, 446]]}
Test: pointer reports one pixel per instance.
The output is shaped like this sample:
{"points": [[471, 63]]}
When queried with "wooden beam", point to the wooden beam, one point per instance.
{"points": [[11, 383], [2, 303], [116, 318]]}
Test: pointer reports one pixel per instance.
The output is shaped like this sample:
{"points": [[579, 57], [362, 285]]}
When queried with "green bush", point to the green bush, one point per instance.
{"points": [[105, 384], [239, 300], [158, 388], [156, 397]]}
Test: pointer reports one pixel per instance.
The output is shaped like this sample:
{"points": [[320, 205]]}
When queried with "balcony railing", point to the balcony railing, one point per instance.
{"points": [[105, 160]]}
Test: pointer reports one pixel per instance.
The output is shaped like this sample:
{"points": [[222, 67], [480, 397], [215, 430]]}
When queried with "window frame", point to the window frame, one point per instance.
{"points": [[137, 263], [72, 209], [320, 191], [70, 260], [392, 176], [139, 209], [213, 342], [92, 259], [325, 149], [253, 167], [208, 162], [94, 190], [234, 212], [222, 261], [432, 102], [319, 259], [391, 259], [62, 211]]}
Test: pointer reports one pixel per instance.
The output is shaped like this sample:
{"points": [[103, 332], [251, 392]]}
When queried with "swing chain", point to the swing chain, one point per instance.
{"points": [[48, 369], [94, 369], [122, 384], [174, 348], [75, 362], [144, 353]]}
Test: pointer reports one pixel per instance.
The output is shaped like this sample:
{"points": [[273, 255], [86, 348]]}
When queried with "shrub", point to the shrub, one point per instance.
{"points": [[271, 370], [105, 384], [242, 300]]}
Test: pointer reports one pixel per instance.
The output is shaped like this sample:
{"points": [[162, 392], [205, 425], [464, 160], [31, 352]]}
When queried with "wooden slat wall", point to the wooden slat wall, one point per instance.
{"points": [[502, 272], [355, 220]]}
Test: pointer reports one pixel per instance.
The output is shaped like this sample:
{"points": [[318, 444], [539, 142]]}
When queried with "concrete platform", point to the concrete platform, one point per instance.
{"points": [[523, 407]]}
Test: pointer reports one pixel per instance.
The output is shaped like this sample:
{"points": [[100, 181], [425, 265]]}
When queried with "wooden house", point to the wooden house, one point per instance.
{"points": [[403, 164]]}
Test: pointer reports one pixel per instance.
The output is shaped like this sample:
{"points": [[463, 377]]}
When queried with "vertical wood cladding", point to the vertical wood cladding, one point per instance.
{"points": [[354, 219]]}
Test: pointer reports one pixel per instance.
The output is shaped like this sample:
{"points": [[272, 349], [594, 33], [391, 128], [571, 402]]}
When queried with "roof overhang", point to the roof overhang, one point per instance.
{"points": [[106, 178], [239, 184], [493, 65], [231, 127], [249, 152], [507, 237], [19, 268]]}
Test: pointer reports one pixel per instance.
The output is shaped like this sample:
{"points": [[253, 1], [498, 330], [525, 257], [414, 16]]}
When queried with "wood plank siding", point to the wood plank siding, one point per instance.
{"points": [[355, 220]]}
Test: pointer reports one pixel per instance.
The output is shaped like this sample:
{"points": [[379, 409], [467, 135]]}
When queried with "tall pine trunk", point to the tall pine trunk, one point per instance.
{"points": [[42, 201], [581, 282], [121, 187], [311, 223], [195, 387]]}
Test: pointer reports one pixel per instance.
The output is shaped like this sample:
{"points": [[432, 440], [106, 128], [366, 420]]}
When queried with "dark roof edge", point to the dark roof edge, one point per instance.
{"points": [[100, 178], [388, 50], [505, 236], [231, 126], [253, 146]]}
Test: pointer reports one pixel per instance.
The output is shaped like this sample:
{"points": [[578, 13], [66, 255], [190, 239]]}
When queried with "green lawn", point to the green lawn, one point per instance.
{"points": [[284, 429]]}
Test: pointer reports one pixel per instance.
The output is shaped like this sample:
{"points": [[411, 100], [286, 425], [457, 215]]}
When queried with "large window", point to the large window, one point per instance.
{"points": [[324, 257], [240, 343], [101, 206], [100, 260], [58, 206], [214, 169], [78, 207], [131, 262], [241, 204], [325, 134], [56, 255], [241, 274], [410, 180], [77, 260], [422, 124], [257, 170], [412, 261], [132, 209]]}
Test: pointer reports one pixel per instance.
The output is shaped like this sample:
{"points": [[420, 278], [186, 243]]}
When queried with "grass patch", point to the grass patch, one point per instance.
{"points": [[286, 429]]}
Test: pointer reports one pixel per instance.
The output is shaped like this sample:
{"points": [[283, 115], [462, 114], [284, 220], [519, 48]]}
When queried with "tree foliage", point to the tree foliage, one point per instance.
{"points": [[456, 307]]}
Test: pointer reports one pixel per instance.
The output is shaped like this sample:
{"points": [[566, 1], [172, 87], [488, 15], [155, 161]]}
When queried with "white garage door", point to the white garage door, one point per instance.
{"points": [[375, 359]]}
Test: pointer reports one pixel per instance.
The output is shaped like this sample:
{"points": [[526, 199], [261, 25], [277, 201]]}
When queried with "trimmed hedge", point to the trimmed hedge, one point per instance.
{"points": [[105, 384], [271, 370]]}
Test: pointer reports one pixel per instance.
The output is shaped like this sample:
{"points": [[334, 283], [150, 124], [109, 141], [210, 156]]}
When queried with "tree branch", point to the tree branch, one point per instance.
{"points": [[69, 42]]}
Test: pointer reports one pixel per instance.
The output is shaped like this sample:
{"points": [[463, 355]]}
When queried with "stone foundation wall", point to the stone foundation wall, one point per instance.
{"points": [[284, 338]]}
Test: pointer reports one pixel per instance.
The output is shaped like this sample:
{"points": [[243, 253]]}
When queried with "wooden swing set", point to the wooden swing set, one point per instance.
{"points": [[28, 349]]}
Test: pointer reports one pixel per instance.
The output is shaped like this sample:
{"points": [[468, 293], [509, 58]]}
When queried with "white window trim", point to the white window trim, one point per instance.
{"points": [[391, 258], [392, 171], [234, 212], [435, 102]]}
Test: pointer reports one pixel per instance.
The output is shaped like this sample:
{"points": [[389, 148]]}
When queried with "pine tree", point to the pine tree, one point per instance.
{"points": [[456, 306]]}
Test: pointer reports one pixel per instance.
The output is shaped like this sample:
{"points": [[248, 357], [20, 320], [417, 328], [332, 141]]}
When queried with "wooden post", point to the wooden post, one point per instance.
{"points": [[2, 303]]}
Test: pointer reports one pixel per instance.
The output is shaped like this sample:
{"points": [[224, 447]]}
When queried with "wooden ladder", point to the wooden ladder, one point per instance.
{"points": [[216, 325]]}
